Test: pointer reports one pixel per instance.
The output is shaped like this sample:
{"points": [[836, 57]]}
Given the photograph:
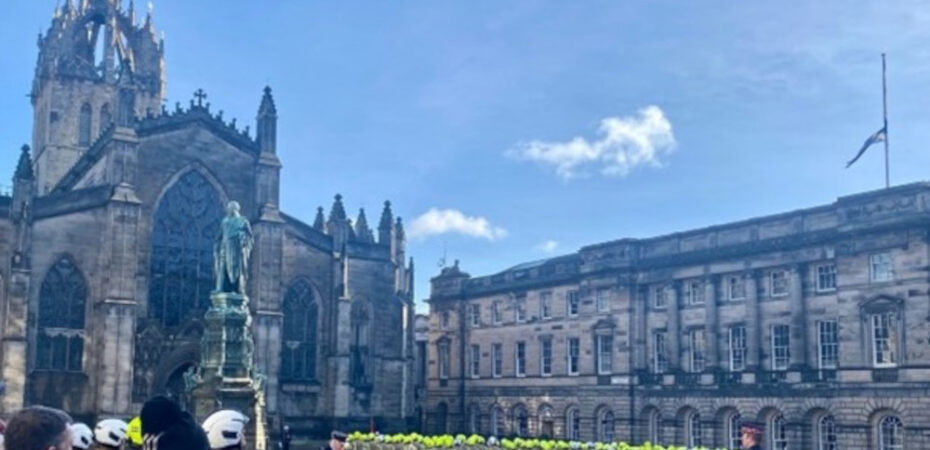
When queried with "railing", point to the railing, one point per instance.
{"points": [[650, 379], [885, 375], [818, 376], [772, 377], [688, 379], [729, 378]]}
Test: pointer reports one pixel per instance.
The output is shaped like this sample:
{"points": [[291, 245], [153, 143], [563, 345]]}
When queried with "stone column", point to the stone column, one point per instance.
{"points": [[267, 286], [14, 337], [674, 326], [799, 328], [711, 339], [639, 302], [753, 323], [115, 313]]}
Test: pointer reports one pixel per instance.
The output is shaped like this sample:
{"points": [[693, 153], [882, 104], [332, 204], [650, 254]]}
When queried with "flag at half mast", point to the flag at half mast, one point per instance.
{"points": [[879, 136]]}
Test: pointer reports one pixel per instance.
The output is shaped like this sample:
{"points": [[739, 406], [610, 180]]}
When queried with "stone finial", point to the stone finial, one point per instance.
{"points": [[267, 107], [338, 212], [320, 222], [399, 229], [387, 217], [362, 231], [24, 166]]}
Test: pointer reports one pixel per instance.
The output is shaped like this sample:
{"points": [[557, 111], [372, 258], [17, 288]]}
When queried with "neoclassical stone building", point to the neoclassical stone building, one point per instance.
{"points": [[815, 323], [108, 235]]}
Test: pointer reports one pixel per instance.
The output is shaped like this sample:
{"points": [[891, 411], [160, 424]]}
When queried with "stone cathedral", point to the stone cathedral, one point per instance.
{"points": [[108, 237]]}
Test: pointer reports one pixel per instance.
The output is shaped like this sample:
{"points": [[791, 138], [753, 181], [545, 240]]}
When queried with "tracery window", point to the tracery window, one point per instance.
{"points": [[298, 359], [181, 269], [60, 334]]}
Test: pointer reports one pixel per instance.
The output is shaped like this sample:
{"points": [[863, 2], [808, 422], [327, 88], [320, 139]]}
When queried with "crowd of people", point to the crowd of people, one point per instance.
{"points": [[161, 425]]}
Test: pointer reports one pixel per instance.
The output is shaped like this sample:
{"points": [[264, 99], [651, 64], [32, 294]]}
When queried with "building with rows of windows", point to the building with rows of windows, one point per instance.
{"points": [[815, 323]]}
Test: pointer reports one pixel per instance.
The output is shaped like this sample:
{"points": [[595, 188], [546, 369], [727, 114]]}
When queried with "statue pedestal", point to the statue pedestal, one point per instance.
{"points": [[226, 378]]}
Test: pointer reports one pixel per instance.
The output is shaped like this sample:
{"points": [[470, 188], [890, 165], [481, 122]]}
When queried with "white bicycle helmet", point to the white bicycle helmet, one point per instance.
{"points": [[225, 428], [81, 436], [111, 432]]}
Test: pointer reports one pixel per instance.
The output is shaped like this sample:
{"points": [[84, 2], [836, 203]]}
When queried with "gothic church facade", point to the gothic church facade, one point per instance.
{"points": [[108, 238]]}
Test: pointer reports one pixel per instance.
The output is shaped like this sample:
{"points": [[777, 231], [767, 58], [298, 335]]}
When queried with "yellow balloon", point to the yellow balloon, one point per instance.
{"points": [[135, 431]]}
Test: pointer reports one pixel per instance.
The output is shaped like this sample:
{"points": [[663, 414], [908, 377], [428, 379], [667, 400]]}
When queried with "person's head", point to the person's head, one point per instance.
{"points": [[750, 434], [38, 428], [81, 436], [158, 414], [232, 208], [226, 429], [111, 433], [337, 440]]}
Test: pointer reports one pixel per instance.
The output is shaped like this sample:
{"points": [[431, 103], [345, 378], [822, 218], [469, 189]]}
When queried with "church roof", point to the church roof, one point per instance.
{"points": [[197, 114], [70, 202]]}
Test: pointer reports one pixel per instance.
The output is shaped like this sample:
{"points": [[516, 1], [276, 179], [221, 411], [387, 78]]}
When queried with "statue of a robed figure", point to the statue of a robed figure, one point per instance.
{"points": [[231, 251], [226, 377]]}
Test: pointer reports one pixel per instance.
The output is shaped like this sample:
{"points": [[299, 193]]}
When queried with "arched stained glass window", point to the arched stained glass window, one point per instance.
{"points": [[181, 269], [298, 360], [84, 121], [60, 334]]}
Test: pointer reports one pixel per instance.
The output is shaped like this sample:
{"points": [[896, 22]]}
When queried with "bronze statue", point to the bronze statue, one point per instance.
{"points": [[231, 251]]}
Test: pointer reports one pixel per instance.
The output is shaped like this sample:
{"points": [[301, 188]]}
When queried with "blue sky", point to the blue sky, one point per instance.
{"points": [[686, 114]]}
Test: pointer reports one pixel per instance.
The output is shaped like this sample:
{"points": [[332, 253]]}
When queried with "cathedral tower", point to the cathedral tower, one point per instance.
{"points": [[97, 66]]}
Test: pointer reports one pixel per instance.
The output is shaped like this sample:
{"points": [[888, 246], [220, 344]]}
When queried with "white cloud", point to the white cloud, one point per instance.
{"points": [[442, 221], [548, 246], [623, 144]]}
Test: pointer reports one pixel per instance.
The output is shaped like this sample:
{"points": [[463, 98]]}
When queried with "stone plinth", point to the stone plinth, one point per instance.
{"points": [[226, 377]]}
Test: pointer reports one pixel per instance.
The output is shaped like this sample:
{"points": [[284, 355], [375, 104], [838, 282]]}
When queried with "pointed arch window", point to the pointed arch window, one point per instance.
{"points": [[106, 117], [298, 359], [181, 268], [84, 121], [60, 334]]}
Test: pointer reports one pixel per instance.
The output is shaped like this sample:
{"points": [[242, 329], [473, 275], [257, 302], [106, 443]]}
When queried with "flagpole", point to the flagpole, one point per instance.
{"points": [[885, 117]]}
